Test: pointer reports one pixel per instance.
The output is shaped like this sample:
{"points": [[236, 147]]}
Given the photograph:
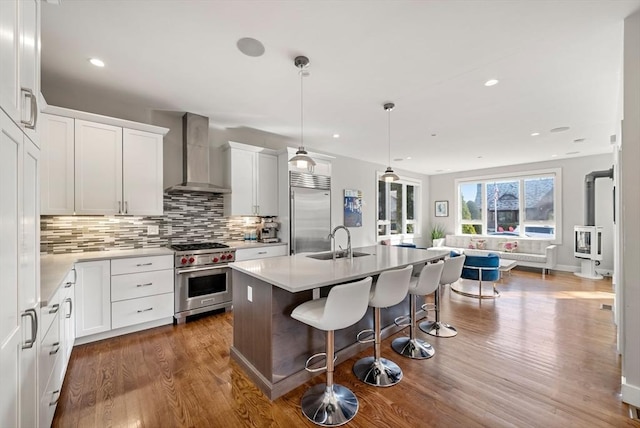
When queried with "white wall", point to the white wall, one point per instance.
{"points": [[630, 214], [573, 173]]}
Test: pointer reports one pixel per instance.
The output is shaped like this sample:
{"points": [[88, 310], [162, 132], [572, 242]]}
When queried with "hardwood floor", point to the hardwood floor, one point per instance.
{"points": [[543, 354]]}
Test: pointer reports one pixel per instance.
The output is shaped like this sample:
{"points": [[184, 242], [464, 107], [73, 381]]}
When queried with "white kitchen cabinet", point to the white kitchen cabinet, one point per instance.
{"points": [[98, 168], [19, 276], [252, 174], [56, 165], [93, 297], [142, 173], [260, 252], [20, 62]]}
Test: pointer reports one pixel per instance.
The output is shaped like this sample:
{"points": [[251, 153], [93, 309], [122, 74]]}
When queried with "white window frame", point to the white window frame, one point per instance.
{"points": [[417, 210], [556, 173]]}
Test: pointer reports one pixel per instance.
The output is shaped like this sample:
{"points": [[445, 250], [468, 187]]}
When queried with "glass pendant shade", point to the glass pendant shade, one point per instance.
{"points": [[302, 158], [389, 175]]}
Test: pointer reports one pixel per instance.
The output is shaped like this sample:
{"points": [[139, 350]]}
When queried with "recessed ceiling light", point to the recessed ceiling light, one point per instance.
{"points": [[336, 135], [535, 134], [97, 62], [554, 156], [479, 157], [439, 170], [398, 160], [434, 135], [579, 140], [572, 153], [491, 82], [560, 129], [250, 47], [408, 157]]}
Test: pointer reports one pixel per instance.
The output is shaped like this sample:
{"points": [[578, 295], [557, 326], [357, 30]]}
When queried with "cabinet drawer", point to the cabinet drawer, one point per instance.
{"points": [[144, 309], [260, 253], [49, 395], [49, 312], [141, 264], [50, 348], [135, 285]]}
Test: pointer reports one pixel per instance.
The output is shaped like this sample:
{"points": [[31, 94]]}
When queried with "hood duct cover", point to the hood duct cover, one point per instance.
{"points": [[195, 156]]}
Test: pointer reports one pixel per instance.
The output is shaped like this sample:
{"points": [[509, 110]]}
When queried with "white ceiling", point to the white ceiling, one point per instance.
{"points": [[558, 62]]}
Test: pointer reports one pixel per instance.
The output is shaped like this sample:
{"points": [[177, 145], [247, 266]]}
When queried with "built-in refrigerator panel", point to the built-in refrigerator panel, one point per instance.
{"points": [[310, 220]]}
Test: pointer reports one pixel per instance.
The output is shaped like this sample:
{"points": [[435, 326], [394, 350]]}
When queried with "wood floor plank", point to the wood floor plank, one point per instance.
{"points": [[542, 354]]}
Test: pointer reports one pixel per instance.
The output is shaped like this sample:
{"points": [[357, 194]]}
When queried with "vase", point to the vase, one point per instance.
{"points": [[438, 242]]}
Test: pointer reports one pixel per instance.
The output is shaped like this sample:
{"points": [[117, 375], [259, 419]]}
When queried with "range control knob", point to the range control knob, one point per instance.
{"points": [[184, 260], [215, 260], [229, 256], [191, 260], [223, 257]]}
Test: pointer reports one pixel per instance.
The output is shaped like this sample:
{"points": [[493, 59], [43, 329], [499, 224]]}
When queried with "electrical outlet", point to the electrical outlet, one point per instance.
{"points": [[153, 230], [249, 293]]}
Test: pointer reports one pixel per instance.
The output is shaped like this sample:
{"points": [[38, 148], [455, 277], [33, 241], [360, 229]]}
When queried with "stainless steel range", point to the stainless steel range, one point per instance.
{"points": [[203, 279]]}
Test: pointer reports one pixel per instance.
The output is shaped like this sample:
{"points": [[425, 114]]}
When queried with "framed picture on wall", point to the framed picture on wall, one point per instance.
{"points": [[442, 209]]}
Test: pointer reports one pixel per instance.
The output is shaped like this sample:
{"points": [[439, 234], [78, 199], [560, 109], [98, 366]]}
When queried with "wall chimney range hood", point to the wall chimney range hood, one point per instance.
{"points": [[195, 157]]}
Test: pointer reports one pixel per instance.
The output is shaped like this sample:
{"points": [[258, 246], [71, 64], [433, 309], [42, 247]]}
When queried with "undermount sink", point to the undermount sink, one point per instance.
{"points": [[339, 255]]}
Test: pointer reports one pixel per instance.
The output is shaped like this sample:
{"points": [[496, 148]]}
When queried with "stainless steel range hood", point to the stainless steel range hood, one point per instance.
{"points": [[195, 157]]}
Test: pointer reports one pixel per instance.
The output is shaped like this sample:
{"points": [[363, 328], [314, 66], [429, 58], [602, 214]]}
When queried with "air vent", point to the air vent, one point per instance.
{"points": [[310, 181]]}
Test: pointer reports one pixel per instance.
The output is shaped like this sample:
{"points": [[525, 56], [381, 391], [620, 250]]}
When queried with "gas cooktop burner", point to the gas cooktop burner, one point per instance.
{"points": [[199, 246]]}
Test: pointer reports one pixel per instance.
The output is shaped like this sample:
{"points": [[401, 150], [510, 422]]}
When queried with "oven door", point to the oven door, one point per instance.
{"points": [[208, 287]]}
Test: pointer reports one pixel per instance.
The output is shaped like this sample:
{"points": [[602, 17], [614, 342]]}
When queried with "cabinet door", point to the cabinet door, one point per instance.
{"points": [[29, 65], [56, 165], [242, 182], [9, 58], [267, 185], [93, 298], [142, 173], [11, 324], [98, 168]]}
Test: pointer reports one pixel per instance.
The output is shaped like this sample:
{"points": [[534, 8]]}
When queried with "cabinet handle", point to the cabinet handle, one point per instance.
{"points": [[262, 252], [145, 310], [143, 264], [31, 124], [54, 402], [68, 299], [34, 328], [126, 207], [68, 284], [145, 285], [207, 300], [119, 207], [55, 351], [54, 308]]}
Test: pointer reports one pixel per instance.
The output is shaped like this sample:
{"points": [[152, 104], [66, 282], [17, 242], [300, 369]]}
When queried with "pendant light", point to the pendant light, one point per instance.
{"points": [[389, 175], [302, 158]]}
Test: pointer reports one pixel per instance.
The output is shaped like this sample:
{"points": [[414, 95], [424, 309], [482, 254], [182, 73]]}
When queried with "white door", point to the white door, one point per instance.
{"points": [[10, 316], [142, 172], [29, 280], [98, 168], [93, 297], [56, 165], [267, 186], [29, 65], [9, 58]]}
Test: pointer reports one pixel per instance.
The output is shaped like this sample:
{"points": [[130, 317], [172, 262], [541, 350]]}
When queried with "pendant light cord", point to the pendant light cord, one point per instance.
{"points": [[301, 110], [389, 136]]}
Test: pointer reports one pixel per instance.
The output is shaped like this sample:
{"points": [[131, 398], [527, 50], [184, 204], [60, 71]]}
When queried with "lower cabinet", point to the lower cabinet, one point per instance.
{"points": [[93, 298], [260, 252]]}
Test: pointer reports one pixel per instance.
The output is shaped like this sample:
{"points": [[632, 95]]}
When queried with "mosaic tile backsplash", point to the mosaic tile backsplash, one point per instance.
{"points": [[188, 217]]}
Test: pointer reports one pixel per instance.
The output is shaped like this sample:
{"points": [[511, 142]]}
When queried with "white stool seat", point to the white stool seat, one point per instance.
{"points": [[330, 404]]}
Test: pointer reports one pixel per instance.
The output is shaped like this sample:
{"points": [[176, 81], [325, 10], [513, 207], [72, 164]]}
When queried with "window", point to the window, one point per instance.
{"points": [[398, 204], [510, 205]]}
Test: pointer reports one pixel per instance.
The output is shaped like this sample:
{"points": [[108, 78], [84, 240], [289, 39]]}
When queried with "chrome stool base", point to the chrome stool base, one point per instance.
{"points": [[380, 372], [413, 348], [329, 406], [438, 329]]}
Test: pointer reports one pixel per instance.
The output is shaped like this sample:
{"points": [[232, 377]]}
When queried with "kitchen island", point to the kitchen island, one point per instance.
{"points": [[271, 346]]}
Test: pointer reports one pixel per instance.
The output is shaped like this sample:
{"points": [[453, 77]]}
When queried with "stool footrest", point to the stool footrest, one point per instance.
{"points": [[367, 331], [428, 307], [402, 321], [319, 369]]}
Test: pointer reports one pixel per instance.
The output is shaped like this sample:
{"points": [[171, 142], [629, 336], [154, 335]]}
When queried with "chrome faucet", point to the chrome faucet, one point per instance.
{"points": [[332, 236]]}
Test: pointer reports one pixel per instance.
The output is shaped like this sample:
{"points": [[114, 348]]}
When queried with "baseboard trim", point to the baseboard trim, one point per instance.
{"points": [[630, 393], [123, 330]]}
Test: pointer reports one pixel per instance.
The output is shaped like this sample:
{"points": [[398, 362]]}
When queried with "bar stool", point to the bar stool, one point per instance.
{"points": [[330, 404], [390, 289], [425, 284], [450, 274]]}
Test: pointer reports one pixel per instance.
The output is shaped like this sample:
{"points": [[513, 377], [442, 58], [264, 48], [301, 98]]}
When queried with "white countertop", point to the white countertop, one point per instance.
{"points": [[299, 272], [241, 245], [54, 267]]}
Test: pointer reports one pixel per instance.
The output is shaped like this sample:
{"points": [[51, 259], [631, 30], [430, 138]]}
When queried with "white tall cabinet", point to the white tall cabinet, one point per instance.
{"points": [[95, 165], [252, 174]]}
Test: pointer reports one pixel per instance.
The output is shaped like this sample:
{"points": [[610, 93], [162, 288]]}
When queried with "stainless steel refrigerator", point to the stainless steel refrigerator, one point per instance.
{"points": [[310, 207]]}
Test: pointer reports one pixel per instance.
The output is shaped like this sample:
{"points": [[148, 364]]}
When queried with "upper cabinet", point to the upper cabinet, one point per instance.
{"points": [[20, 62], [98, 168], [252, 174]]}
